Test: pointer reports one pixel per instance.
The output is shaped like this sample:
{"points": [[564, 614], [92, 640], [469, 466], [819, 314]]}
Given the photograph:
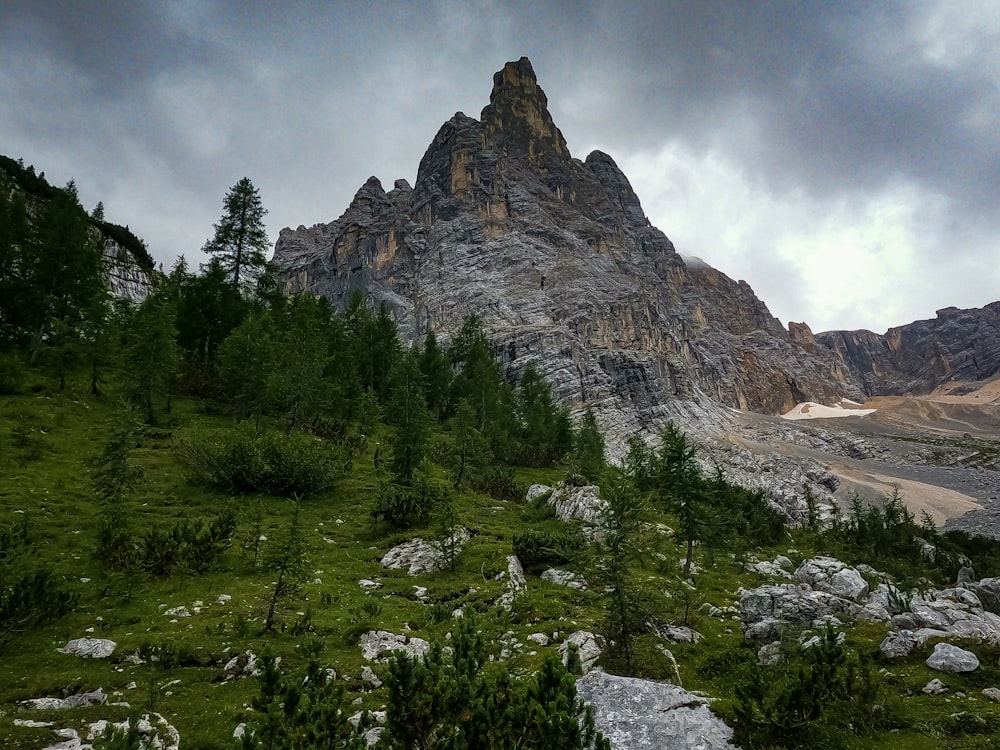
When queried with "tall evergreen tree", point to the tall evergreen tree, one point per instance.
{"points": [[407, 413], [437, 372], [240, 240], [683, 490], [151, 354], [588, 448]]}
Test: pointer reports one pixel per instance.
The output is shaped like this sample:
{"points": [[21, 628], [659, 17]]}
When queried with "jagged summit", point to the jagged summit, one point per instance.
{"points": [[558, 258], [517, 118]]}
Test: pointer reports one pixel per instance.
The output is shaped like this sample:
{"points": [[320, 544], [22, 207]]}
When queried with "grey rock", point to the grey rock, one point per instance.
{"points": [[934, 687], [558, 259], [992, 694], [90, 648], [950, 658], [377, 645], [638, 714], [369, 678], [958, 345], [769, 654], [91, 698], [831, 575], [564, 578], [419, 556], [516, 579], [539, 638], [587, 649]]}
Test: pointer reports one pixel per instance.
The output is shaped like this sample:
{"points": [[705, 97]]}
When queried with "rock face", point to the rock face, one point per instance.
{"points": [[962, 345], [635, 714], [557, 257]]}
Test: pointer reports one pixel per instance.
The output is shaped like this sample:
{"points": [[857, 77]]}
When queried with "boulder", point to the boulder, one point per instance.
{"points": [[934, 687], [564, 578], [90, 648], [377, 645], [516, 579], [587, 649], [419, 556], [539, 639], [992, 694], [832, 576], [369, 678], [949, 658], [582, 503], [92, 698], [634, 714]]}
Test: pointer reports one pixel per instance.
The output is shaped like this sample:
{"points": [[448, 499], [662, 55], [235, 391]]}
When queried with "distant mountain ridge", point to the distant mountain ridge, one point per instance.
{"points": [[914, 359]]}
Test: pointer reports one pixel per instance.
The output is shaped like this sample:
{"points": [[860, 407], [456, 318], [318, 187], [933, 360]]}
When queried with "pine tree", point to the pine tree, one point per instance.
{"points": [[436, 368], [588, 448], [619, 547], [151, 354], [683, 490], [240, 240], [407, 413]]}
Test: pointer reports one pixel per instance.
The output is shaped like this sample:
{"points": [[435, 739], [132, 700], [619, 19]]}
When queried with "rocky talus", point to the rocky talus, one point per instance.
{"points": [[557, 257]]}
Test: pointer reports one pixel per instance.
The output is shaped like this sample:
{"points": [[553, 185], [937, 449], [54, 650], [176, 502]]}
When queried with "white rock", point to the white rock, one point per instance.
{"points": [[92, 698], [992, 694], [583, 503], [769, 654], [832, 576], [516, 580], [224, 599], [177, 612], [587, 649], [90, 648], [369, 677], [949, 658], [934, 687], [376, 645], [536, 491], [634, 714], [32, 724], [540, 638], [369, 585], [240, 730], [564, 578], [420, 556]]}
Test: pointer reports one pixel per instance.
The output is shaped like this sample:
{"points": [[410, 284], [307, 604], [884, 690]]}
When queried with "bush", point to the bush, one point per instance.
{"points": [[242, 462], [538, 549], [11, 373], [823, 698], [499, 482], [406, 506]]}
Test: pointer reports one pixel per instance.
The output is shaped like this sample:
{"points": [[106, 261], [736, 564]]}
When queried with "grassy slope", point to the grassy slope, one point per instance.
{"points": [[47, 480]]}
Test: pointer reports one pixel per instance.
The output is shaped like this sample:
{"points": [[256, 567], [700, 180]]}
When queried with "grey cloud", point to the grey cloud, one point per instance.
{"points": [[833, 100]]}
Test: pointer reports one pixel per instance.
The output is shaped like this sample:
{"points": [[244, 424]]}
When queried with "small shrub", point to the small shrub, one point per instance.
{"points": [[537, 549], [499, 482], [404, 506], [242, 462]]}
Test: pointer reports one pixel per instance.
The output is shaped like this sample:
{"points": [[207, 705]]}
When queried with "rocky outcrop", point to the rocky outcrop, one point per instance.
{"points": [[635, 714], [914, 359], [557, 257]]}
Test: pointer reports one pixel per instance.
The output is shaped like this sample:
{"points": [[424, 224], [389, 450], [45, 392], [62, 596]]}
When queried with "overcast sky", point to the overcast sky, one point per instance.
{"points": [[843, 158]]}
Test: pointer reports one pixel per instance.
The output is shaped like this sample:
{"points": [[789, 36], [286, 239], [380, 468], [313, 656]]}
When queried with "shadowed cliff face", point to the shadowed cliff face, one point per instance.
{"points": [[558, 258], [958, 345]]}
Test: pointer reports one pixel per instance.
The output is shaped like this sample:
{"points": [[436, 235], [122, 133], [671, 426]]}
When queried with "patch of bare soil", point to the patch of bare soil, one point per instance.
{"points": [[941, 503]]}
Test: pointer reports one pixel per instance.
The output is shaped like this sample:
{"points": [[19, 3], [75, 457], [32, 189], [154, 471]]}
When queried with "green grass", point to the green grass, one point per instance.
{"points": [[46, 440]]}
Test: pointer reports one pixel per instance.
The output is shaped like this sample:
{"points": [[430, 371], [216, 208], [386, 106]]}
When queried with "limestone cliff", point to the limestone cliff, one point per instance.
{"points": [[558, 258], [914, 359]]}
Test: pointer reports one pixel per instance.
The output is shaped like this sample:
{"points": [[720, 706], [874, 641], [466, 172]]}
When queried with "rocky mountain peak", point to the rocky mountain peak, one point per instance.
{"points": [[558, 259], [517, 119]]}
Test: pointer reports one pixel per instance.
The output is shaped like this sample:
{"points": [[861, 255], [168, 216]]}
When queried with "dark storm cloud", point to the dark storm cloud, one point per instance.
{"points": [[158, 107]]}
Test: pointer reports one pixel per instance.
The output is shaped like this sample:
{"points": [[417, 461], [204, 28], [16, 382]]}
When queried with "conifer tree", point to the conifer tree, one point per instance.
{"points": [[240, 240], [436, 368], [588, 448], [407, 413], [683, 490], [151, 354]]}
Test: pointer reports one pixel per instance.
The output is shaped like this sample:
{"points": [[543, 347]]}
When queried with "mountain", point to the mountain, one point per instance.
{"points": [[958, 345], [558, 258], [128, 264]]}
